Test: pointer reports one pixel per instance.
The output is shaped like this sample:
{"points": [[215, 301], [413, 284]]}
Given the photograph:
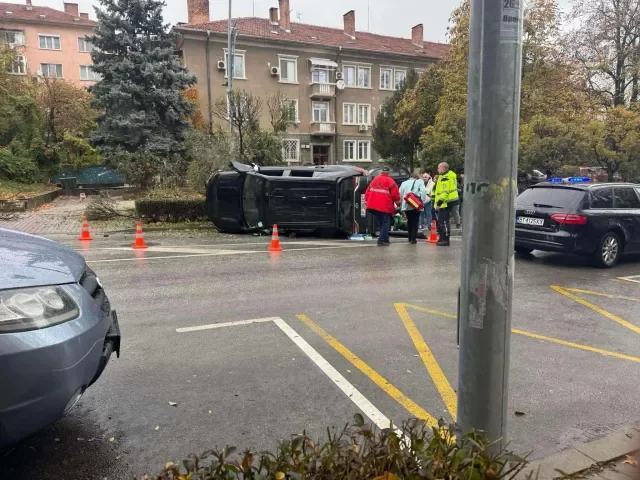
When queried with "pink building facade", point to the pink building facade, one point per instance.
{"points": [[49, 42]]}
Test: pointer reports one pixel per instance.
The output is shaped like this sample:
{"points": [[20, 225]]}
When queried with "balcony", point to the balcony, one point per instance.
{"points": [[323, 90], [322, 129]]}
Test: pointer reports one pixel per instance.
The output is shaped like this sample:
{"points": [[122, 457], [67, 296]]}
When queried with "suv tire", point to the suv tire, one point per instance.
{"points": [[609, 251], [523, 250]]}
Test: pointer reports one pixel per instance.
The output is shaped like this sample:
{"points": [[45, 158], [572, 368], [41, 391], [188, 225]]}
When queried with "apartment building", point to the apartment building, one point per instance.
{"points": [[49, 42], [334, 79]]}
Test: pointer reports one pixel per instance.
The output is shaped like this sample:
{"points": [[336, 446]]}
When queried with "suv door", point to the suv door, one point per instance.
{"points": [[627, 208], [305, 203]]}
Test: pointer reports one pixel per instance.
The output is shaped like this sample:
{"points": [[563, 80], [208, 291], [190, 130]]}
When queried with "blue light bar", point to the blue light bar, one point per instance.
{"points": [[569, 180]]}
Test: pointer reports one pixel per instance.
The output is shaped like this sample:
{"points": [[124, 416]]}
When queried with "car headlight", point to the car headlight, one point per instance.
{"points": [[34, 308]]}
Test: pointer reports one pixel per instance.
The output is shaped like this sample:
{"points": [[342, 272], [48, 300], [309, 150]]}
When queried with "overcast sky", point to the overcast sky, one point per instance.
{"points": [[389, 17]]}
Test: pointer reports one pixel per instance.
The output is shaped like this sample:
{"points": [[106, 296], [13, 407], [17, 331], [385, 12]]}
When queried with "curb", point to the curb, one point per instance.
{"points": [[161, 229], [582, 456]]}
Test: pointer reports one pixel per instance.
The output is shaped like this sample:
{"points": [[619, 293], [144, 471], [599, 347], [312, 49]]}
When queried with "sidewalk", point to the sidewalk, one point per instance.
{"points": [[615, 457]]}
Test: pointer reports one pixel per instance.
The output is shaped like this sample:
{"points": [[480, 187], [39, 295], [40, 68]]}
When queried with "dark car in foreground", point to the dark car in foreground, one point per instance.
{"points": [[57, 332], [326, 198], [597, 220]]}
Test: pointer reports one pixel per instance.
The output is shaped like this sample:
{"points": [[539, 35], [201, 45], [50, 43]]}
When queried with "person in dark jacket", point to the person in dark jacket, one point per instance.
{"points": [[381, 198]]}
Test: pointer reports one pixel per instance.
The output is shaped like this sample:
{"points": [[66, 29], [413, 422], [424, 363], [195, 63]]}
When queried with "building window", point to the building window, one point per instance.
{"points": [[49, 42], [291, 150], [399, 78], [291, 110], [364, 114], [19, 65], [349, 154], [87, 73], [84, 45], [320, 76], [288, 69], [12, 37], [364, 77], [349, 113], [51, 70], [320, 111], [349, 75], [420, 71], [386, 74], [238, 65], [363, 151]]}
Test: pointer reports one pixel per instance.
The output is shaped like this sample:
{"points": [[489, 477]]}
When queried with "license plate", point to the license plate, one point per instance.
{"points": [[530, 221]]}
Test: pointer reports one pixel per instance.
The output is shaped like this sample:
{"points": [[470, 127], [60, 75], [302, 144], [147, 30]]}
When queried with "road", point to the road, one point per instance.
{"points": [[341, 327]]}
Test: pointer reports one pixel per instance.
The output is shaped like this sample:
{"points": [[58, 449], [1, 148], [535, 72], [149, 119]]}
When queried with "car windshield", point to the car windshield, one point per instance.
{"points": [[251, 195], [550, 197]]}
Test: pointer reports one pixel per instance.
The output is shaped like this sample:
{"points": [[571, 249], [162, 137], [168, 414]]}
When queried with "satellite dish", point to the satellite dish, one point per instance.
{"points": [[340, 85]]}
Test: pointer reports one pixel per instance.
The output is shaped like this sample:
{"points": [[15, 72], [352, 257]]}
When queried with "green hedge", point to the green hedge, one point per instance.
{"points": [[171, 210], [359, 453], [14, 167]]}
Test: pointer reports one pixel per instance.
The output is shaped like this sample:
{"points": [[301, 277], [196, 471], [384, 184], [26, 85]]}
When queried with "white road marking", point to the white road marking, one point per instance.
{"points": [[369, 409], [632, 278], [219, 252], [225, 324], [216, 245], [336, 377]]}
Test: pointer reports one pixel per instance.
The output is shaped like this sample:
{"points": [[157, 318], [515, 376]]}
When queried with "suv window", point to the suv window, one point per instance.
{"points": [[626, 198], [553, 196], [602, 198]]}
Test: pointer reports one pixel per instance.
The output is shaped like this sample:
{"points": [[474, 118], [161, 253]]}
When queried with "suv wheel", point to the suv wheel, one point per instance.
{"points": [[523, 250], [609, 251]]}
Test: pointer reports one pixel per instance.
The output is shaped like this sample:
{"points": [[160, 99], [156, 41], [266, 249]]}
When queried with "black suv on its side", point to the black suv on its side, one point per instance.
{"points": [[599, 220]]}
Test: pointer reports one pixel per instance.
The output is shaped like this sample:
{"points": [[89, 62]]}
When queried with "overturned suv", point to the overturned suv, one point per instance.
{"points": [[57, 332]]}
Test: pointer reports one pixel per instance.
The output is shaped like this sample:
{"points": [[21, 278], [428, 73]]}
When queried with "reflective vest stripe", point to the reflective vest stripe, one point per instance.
{"points": [[380, 190]]}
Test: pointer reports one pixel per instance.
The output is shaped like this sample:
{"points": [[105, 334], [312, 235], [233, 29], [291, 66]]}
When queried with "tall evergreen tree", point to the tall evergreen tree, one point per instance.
{"points": [[142, 83]]}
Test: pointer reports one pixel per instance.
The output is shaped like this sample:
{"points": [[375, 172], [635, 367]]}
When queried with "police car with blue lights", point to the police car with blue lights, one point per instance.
{"points": [[575, 216]]}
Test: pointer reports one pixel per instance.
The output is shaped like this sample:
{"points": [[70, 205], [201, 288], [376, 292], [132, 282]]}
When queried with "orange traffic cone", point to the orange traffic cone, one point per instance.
{"points": [[275, 240], [85, 234], [433, 238], [139, 243]]}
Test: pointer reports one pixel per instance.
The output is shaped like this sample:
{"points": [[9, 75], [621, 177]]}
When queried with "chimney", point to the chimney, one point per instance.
{"points": [[273, 15], [417, 35], [71, 9], [198, 11], [29, 4], [350, 23], [85, 16], [285, 15]]}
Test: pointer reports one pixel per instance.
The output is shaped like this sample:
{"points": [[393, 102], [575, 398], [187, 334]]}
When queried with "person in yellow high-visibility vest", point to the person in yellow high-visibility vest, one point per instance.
{"points": [[445, 198]]}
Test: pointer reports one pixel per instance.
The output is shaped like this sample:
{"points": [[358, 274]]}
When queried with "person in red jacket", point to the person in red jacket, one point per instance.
{"points": [[381, 197]]}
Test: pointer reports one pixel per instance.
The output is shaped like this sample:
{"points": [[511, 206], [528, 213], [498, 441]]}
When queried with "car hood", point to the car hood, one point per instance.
{"points": [[30, 261]]}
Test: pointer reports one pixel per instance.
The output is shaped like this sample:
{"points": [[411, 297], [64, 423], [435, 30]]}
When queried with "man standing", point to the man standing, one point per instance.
{"points": [[425, 216], [446, 197], [380, 198], [416, 186]]}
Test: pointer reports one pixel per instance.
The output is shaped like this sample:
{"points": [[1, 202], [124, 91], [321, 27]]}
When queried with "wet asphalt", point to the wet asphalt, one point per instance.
{"points": [[250, 385]]}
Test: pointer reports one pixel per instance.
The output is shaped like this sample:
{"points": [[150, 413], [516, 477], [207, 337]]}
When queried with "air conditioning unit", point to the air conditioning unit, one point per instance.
{"points": [[222, 65], [338, 75], [275, 71], [363, 128]]}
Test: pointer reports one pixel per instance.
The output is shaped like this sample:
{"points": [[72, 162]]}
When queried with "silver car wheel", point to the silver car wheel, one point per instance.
{"points": [[610, 249]]}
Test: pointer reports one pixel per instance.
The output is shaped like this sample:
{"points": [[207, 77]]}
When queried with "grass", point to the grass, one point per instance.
{"points": [[12, 190]]}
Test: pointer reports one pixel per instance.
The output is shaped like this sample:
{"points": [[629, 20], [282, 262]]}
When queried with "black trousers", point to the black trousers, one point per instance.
{"points": [[413, 220], [444, 220]]}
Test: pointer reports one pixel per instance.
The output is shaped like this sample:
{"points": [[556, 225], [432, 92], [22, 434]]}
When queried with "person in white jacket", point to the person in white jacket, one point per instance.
{"points": [[416, 186], [425, 217]]}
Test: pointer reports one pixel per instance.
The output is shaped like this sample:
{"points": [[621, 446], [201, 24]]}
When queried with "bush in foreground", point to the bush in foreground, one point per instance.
{"points": [[357, 452]]}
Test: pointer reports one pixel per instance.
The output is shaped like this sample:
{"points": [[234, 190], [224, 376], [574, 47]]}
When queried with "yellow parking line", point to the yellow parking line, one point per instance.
{"points": [[600, 294], [437, 375], [413, 408], [542, 337], [595, 308], [577, 345]]}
